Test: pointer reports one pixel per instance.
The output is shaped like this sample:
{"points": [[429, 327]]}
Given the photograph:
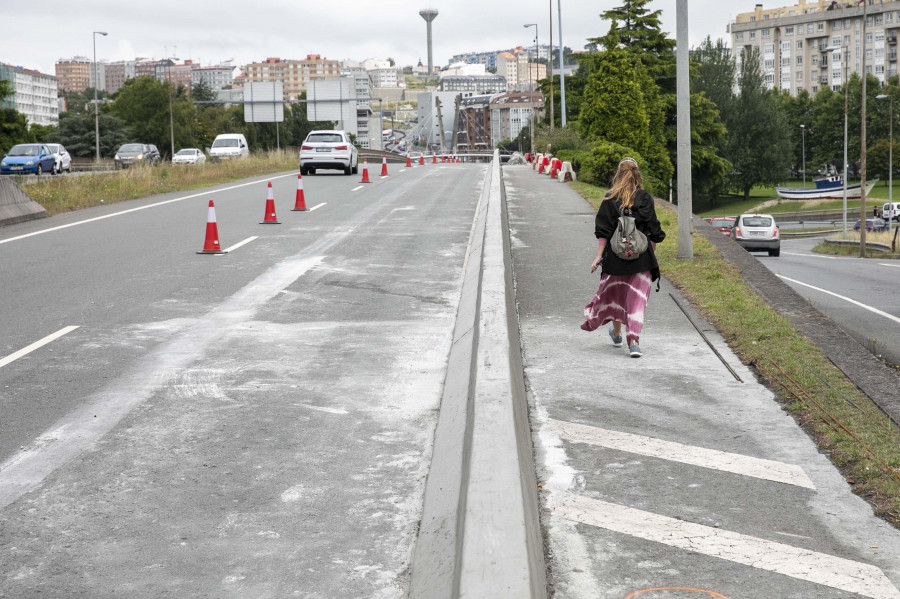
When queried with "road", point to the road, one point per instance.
{"points": [[862, 295], [213, 421]]}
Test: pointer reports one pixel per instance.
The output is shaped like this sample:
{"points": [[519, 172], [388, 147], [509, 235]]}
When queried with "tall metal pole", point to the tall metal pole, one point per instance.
{"points": [[862, 141], [171, 117], [562, 74], [537, 51], [803, 134], [890, 158], [96, 109], [846, 166], [550, 63], [683, 132]]}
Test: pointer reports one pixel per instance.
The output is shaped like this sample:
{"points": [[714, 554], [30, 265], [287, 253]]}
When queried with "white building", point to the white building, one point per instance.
{"points": [[513, 111], [462, 69], [216, 77], [34, 94], [385, 77]]}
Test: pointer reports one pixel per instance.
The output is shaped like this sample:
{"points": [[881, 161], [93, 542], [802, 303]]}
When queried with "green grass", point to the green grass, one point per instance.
{"points": [[64, 194], [770, 344]]}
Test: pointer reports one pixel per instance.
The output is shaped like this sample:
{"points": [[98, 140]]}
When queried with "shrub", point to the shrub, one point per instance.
{"points": [[601, 163]]}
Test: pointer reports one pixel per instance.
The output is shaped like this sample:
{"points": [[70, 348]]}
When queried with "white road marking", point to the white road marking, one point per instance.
{"points": [[36, 345], [811, 255], [885, 264], [129, 211], [239, 244], [846, 299], [402, 170], [317, 206], [339, 411], [684, 454], [796, 562], [357, 188]]}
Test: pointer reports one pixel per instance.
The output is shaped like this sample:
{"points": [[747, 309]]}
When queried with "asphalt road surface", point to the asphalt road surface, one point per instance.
{"points": [[862, 295], [214, 421]]}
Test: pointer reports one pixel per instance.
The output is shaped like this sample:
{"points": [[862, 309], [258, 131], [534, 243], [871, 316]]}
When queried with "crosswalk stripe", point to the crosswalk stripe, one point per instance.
{"points": [[685, 454], [796, 562]]}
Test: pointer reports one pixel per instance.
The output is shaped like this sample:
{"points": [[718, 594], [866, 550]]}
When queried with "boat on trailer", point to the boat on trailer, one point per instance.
{"points": [[827, 188]]}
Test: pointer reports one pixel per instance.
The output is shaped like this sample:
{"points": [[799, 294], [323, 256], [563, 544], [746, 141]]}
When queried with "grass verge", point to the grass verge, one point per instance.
{"points": [[843, 421], [65, 194]]}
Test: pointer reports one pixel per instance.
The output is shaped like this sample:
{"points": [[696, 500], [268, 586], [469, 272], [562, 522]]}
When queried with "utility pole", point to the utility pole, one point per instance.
{"points": [[862, 145], [683, 95], [550, 63]]}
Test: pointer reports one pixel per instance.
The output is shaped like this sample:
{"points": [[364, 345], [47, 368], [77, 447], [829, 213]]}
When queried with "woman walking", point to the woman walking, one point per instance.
{"points": [[624, 284]]}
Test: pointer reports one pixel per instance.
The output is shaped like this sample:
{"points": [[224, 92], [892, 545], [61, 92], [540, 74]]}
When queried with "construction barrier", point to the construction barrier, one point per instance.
{"points": [[16, 206]]}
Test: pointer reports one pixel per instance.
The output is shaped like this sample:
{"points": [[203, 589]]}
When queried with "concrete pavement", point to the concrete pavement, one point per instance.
{"points": [[666, 472]]}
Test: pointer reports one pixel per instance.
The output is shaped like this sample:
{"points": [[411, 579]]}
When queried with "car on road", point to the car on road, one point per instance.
{"points": [[189, 156], [756, 232], [332, 150], [228, 146], [28, 159], [873, 224], [63, 159], [136, 153], [722, 224], [891, 210]]}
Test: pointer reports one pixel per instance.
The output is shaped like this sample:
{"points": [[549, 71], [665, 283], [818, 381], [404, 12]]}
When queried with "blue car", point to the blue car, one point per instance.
{"points": [[28, 158]]}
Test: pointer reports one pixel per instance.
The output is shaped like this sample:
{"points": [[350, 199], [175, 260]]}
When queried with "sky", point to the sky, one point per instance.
{"points": [[242, 31]]}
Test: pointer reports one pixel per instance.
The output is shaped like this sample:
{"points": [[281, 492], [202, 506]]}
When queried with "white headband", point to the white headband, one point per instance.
{"points": [[628, 159]]}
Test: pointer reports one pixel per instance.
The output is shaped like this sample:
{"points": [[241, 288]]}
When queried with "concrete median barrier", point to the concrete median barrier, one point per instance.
{"points": [[16, 206], [480, 532]]}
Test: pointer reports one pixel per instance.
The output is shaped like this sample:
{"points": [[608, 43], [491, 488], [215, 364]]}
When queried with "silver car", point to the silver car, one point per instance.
{"points": [[63, 159], [189, 156], [328, 150], [757, 232]]}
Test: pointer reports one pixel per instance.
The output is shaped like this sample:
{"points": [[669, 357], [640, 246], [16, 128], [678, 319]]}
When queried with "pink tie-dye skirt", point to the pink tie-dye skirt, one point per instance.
{"points": [[621, 298]]}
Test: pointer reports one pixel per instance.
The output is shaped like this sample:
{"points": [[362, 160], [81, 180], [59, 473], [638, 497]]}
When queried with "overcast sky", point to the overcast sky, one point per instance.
{"points": [[247, 31]]}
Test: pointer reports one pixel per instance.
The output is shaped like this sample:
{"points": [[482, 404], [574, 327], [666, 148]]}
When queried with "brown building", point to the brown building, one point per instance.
{"points": [[295, 75], [73, 74]]}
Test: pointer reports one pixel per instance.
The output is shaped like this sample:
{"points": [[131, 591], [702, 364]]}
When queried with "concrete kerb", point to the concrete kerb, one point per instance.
{"points": [[480, 531], [16, 206]]}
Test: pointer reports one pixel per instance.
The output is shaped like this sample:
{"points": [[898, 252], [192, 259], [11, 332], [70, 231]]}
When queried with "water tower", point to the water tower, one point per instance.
{"points": [[429, 14]]}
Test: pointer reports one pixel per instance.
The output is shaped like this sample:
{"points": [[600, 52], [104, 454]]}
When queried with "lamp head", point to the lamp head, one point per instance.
{"points": [[101, 32], [803, 126], [881, 96]]}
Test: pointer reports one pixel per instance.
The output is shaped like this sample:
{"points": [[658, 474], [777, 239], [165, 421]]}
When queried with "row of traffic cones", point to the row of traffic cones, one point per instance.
{"points": [[211, 244]]}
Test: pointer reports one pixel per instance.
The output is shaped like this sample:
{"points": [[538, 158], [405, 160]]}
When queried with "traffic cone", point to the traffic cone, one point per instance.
{"points": [[408, 163], [443, 159], [365, 177], [270, 218], [211, 245], [421, 159], [300, 204], [384, 172], [433, 158]]}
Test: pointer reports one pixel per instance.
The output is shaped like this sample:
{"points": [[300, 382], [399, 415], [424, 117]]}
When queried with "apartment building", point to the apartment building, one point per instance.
{"points": [[117, 73], [295, 75], [819, 43], [216, 77], [73, 74], [513, 111], [34, 94], [474, 84]]}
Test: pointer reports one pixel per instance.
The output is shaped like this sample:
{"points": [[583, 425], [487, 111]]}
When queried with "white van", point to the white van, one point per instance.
{"points": [[891, 211], [228, 146]]}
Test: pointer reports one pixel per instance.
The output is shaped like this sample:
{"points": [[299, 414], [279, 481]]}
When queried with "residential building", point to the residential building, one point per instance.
{"points": [[514, 66], [117, 73], [216, 77], [488, 59], [795, 42], [34, 94], [73, 74], [511, 112], [464, 69], [296, 75], [472, 131], [475, 84], [531, 74], [385, 77]]}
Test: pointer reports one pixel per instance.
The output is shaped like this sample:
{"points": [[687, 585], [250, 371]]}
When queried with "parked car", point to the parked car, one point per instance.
{"points": [[328, 150], [873, 224], [129, 154], [722, 224], [229, 146], [28, 159], [755, 232], [63, 159], [189, 156]]}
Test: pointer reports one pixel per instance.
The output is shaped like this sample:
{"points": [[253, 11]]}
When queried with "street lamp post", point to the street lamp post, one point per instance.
{"points": [[890, 157], [862, 141], [562, 74], [537, 50], [846, 89], [171, 113], [96, 83], [803, 134]]}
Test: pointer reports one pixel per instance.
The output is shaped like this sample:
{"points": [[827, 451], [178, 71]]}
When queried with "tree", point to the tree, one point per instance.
{"points": [[76, 132], [715, 72], [759, 141], [202, 92], [143, 104], [639, 32]]}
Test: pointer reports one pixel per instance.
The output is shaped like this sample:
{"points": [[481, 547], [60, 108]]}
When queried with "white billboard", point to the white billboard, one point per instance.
{"points": [[264, 102], [332, 99]]}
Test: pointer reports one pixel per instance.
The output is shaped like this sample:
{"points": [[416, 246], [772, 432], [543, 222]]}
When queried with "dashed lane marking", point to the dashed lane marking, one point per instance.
{"points": [[239, 244], [357, 188], [810, 255], [129, 211], [684, 454], [845, 298], [317, 206], [796, 562], [36, 345]]}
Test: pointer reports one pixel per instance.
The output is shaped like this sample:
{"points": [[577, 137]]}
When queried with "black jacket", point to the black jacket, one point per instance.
{"points": [[644, 213]]}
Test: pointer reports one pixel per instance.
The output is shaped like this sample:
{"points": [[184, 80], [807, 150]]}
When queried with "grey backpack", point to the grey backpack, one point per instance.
{"points": [[627, 242]]}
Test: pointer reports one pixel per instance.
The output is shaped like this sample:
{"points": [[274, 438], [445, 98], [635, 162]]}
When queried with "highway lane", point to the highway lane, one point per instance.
{"points": [[862, 295], [265, 408]]}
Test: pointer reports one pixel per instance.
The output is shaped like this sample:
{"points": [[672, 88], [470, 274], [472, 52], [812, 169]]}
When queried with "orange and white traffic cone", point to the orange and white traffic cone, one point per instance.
{"points": [[300, 204], [365, 177], [433, 158], [384, 172], [270, 218], [211, 245], [421, 159], [408, 162], [443, 159]]}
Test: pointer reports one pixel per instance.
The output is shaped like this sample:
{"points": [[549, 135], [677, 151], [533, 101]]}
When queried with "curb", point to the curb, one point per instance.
{"points": [[480, 532]]}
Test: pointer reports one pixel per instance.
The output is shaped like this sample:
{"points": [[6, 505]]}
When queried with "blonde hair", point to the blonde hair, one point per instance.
{"points": [[626, 182]]}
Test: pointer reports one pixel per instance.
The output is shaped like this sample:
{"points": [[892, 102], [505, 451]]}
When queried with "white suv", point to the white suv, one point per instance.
{"points": [[757, 232], [328, 150]]}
